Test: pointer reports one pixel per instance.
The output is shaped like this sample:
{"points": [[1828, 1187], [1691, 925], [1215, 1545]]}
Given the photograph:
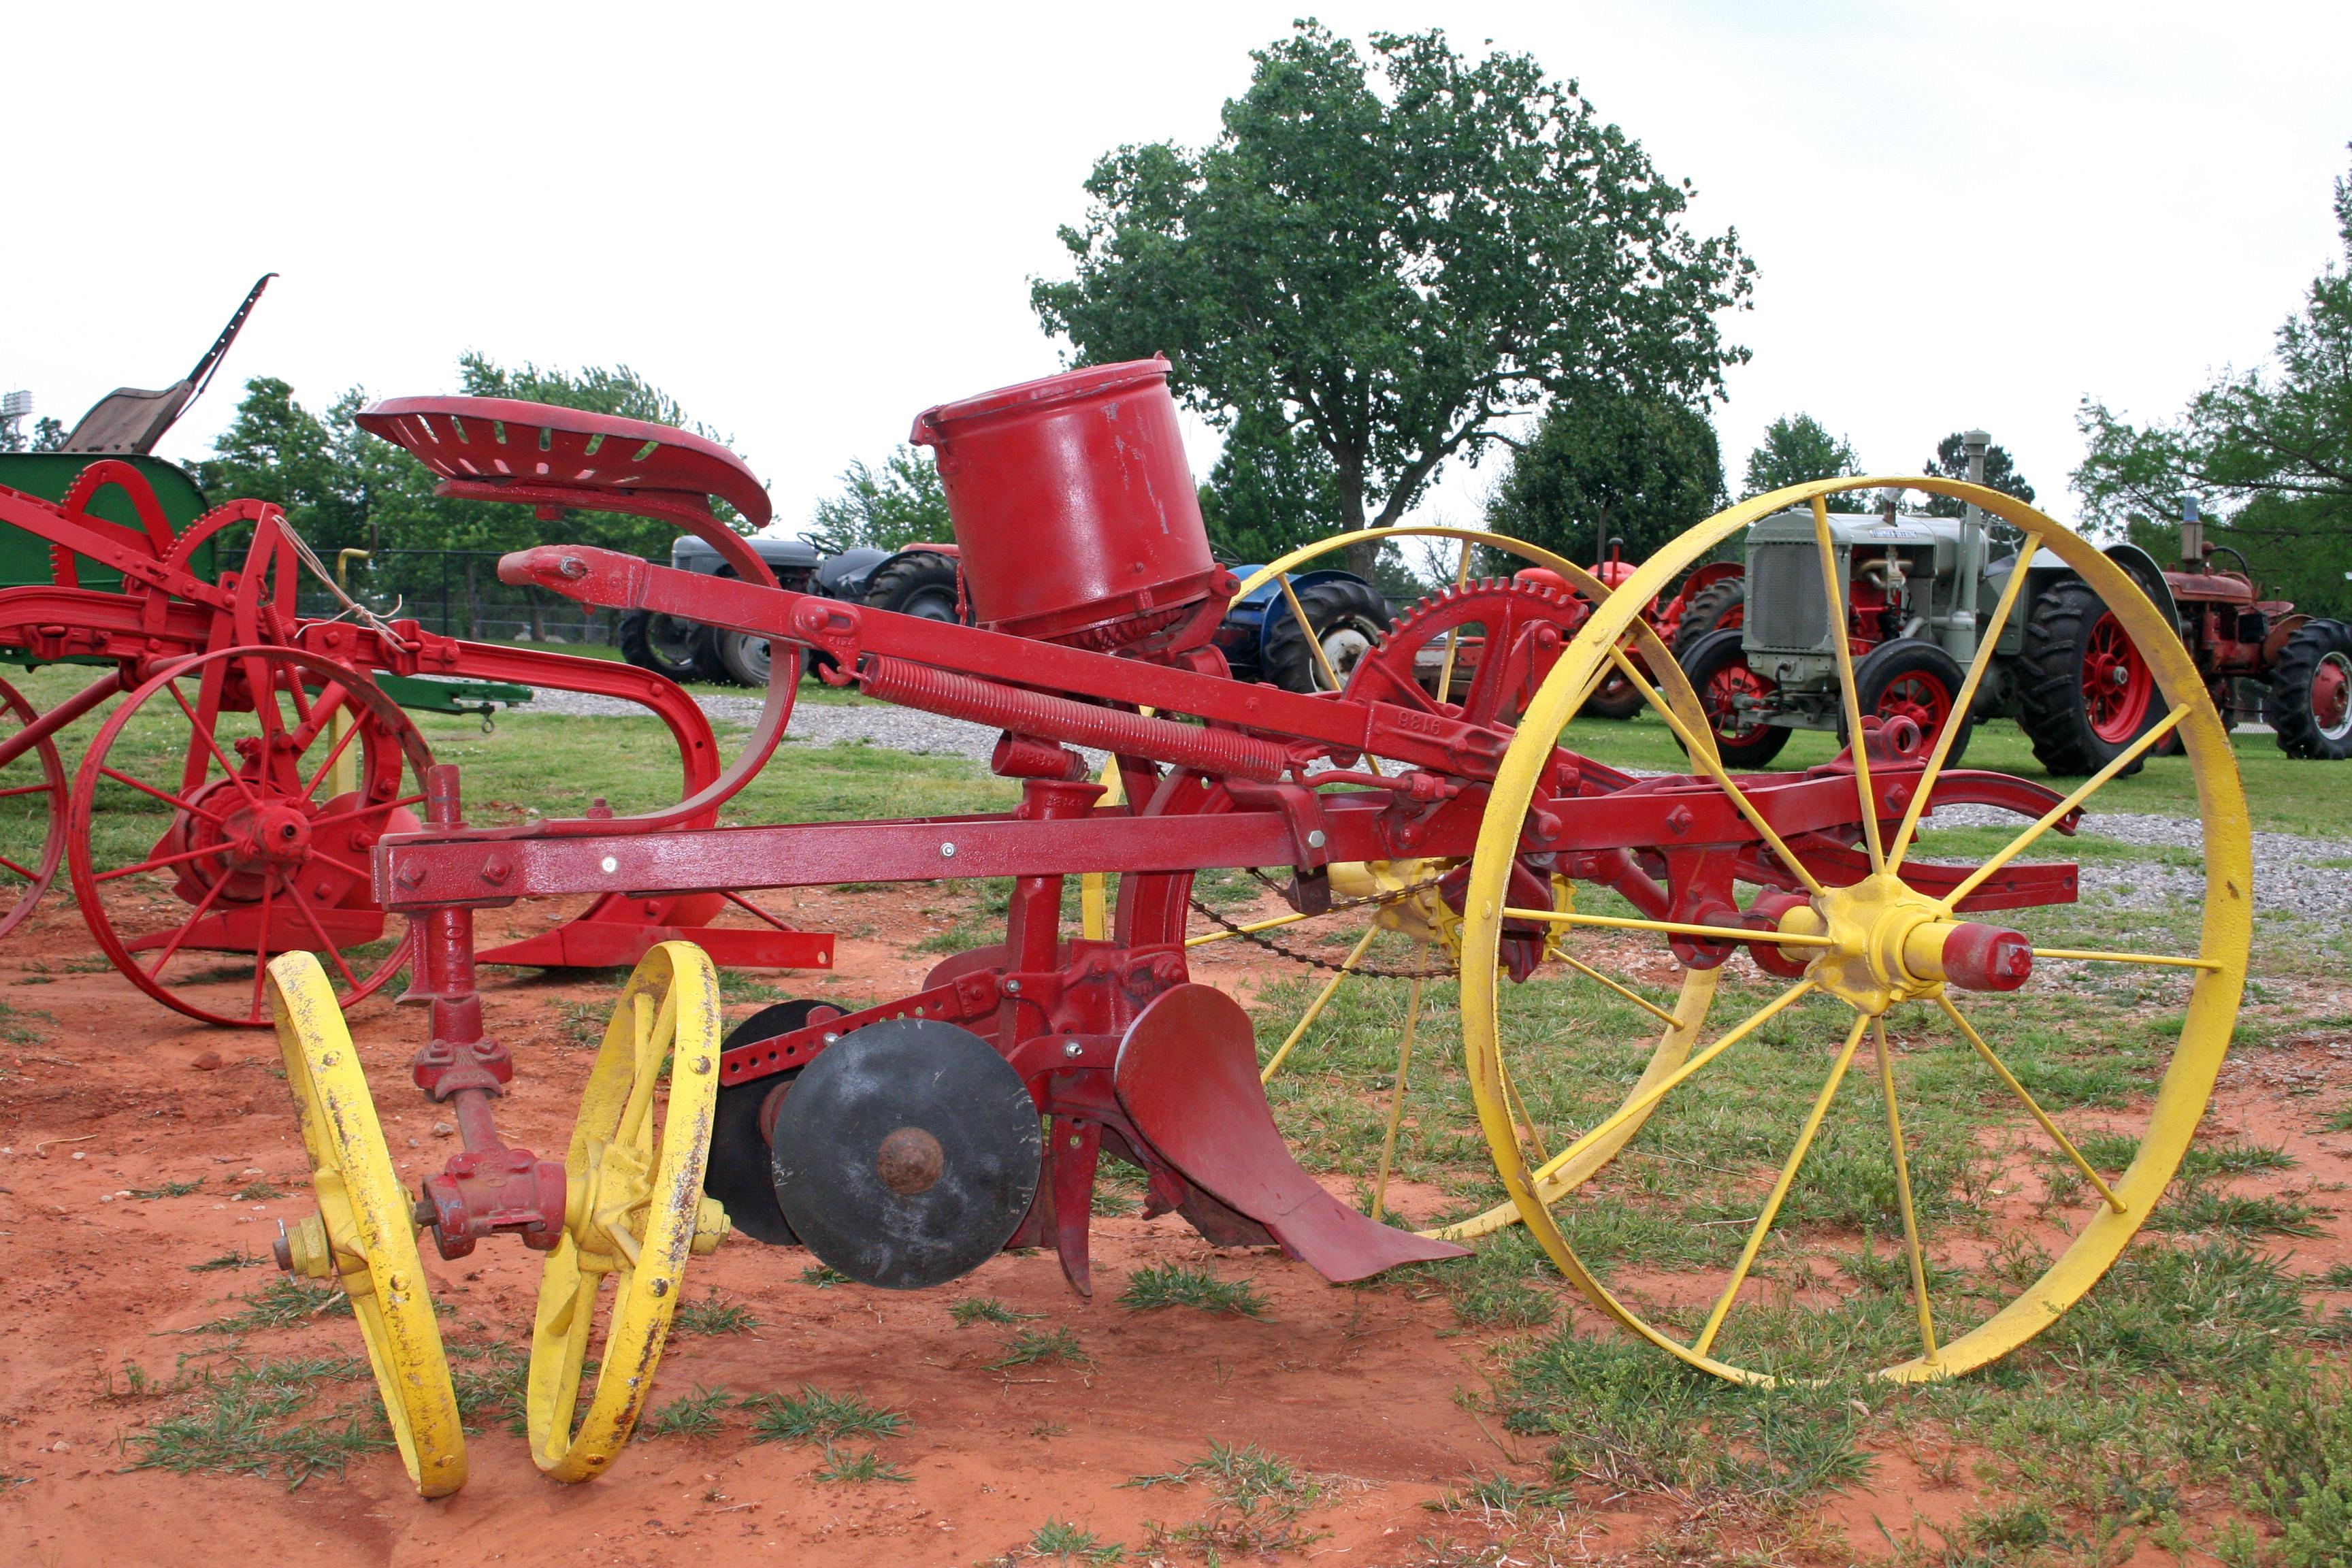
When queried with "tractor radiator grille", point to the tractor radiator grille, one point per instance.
{"points": [[1784, 598]]}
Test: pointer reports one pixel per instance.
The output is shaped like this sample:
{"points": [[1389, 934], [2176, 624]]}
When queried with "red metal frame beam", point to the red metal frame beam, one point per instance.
{"points": [[623, 582]]}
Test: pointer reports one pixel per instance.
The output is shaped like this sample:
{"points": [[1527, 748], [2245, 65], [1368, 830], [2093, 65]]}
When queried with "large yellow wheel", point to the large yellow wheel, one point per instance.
{"points": [[633, 1213], [363, 1234], [1400, 896], [1798, 1296]]}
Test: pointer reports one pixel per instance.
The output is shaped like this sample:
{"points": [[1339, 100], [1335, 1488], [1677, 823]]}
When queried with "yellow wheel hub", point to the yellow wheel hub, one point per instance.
{"points": [[363, 1234], [1886, 942], [634, 1212]]}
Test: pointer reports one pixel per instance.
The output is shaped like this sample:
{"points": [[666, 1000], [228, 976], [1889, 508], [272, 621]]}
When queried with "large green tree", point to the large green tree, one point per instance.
{"points": [[1271, 492], [1797, 448], [2269, 450], [1390, 255], [900, 503], [1607, 466]]}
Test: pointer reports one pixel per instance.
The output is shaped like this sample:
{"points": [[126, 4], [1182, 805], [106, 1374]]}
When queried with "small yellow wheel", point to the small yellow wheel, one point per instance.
{"points": [[634, 1211], [363, 1234], [1890, 1092]]}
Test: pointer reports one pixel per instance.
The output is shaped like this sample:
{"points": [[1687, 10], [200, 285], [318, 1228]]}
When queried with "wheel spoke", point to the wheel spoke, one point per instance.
{"points": [[339, 864], [1706, 759], [261, 950], [1649, 1097], [1453, 634], [1249, 928], [204, 907], [1519, 1107], [2089, 787], [342, 744], [1847, 691], [1670, 928], [333, 817], [2164, 961], [26, 789], [164, 795], [159, 862], [1315, 1009], [741, 901], [1780, 1193], [310, 918], [25, 871], [1942, 750], [204, 734], [2000, 1067], [1396, 1100], [1903, 1191], [1553, 950]]}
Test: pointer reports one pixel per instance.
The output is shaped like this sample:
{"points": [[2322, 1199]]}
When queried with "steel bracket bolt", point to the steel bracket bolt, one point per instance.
{"points": [[1679, 820], [1074, 1050]]}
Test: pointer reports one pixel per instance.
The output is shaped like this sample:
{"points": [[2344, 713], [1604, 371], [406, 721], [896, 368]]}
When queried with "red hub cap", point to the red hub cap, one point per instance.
{"points": [[2116, 683], [2331, 696], [1918, 698], [1722, 699]]}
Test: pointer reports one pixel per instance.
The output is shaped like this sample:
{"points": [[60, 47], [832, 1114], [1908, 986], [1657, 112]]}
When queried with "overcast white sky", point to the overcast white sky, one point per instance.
{"points": [[808, 223]]}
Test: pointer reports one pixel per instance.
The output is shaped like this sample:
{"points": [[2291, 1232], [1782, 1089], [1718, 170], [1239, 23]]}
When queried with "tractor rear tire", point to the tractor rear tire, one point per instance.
{"points": [[1718, 672], [679, 650], [1350, 618], [918, 582], [2311, 693], [744, 658], [1719, 606], [1617, 698], [1913, 679], [2076, 732]]}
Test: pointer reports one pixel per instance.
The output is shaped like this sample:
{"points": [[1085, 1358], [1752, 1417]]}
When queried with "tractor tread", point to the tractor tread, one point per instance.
{"points": [[1287, 658], [1706, 611], [2288, 702], [2050, 682]]}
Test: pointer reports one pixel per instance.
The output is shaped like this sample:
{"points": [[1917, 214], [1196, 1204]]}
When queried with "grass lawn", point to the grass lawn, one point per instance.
{"points": [[2200, 1368]]}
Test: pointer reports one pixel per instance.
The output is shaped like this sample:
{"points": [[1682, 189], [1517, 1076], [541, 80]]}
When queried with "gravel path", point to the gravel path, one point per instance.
{"points": [[822, 724], [2290, 873]]}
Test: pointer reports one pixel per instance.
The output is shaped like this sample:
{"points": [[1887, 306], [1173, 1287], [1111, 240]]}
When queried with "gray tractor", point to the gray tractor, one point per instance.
{"points": [[1914, 591], [919, 580]]}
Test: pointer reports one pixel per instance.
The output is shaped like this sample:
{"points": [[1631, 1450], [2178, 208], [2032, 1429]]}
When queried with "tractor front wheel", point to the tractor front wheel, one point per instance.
{"points": [[1347, 617], [2085, 692], [675, 649], [1735, 699], [2311, 693], [1913, 679]]}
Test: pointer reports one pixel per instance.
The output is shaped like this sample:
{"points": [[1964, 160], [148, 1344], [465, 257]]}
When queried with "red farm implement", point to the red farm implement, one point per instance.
{"points": [[1588, 913], [274, 748]]}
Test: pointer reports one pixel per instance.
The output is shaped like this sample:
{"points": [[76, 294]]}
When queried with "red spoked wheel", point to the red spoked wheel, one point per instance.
{"points": [[206, 820], [32, 813], [1918, 698], [2117, 685]]}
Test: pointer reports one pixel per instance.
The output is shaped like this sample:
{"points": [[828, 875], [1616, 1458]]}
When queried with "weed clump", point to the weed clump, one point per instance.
{"points": [[1159, 1285], [812, 1415]]}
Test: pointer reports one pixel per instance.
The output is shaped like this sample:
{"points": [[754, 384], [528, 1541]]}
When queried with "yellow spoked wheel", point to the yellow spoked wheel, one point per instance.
{"points": [[1437, 650], [633, 1213], [1889, 1090], [363, 1234]]}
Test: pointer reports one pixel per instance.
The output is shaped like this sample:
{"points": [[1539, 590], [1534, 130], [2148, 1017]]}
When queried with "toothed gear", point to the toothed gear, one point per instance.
{"points": [[1387, 673]]}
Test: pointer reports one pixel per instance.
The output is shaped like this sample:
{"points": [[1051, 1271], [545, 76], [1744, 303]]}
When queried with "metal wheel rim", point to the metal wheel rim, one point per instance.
{"points": [[2208, 1017], [88, 879]]}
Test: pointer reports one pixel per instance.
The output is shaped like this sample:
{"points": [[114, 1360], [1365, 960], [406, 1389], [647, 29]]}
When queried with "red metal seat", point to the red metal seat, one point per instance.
{"points": [[536, 454]]}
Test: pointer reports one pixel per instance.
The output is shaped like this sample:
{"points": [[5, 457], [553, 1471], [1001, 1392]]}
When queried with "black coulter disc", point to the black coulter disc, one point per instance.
{"points": [[906, 1154], [738, 1172]]}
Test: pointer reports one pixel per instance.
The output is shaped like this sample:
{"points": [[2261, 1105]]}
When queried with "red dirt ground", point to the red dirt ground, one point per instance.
{"points": [[1371, 1388]]}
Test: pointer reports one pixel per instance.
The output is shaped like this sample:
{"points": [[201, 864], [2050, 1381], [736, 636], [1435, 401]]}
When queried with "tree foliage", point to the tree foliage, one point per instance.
{"points": [[900, 503], [1951, 462], [2269, 450], [1271, 492], [1797, 448], [47, 435], [1388, 258], [1610, 466]]}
